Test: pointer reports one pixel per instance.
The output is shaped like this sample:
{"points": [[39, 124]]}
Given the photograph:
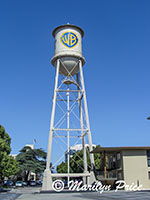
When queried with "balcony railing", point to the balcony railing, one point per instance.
{"points": [[107, 174]]}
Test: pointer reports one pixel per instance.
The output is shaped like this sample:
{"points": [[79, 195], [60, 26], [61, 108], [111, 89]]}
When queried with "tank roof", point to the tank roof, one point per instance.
{"points": [[67, 25]]}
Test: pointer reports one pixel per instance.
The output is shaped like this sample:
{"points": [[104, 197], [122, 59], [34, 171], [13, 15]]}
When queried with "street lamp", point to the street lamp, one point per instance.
{"points": [[148, 118]]}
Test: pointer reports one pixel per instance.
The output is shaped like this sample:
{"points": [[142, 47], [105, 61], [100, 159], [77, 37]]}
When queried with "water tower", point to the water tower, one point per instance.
{"points": [[69, 118]]}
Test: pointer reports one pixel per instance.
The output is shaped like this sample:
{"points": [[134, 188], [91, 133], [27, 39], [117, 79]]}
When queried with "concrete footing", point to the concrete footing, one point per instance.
{"points": [[48, 179]]}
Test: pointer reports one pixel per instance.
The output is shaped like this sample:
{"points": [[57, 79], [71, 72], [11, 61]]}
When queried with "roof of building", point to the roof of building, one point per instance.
{"points": [[112, 149], [30, 145], [78, 147]]}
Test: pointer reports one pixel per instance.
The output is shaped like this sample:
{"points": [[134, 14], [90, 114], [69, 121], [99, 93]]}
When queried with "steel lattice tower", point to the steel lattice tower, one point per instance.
{"points": [[70, 98]]}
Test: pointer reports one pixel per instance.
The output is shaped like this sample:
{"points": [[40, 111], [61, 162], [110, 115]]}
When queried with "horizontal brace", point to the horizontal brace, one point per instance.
{"points": [[66, 136], [70, 174], [69, 91], [66, 100], [65, 129]]}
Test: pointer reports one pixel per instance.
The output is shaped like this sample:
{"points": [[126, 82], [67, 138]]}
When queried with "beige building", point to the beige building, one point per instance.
{"points": [[131, 164], [76, 148], [30, 145]]}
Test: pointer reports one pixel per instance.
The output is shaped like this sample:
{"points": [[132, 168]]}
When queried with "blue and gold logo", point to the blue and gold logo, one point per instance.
{"points": [[69, 39]]}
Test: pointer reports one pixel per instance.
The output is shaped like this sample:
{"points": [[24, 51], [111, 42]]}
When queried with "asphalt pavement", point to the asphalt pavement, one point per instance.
{"points": [[33, 193]]}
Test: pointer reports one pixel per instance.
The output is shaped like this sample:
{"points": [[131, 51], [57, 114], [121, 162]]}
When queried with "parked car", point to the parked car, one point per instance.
{"points": [[25, 183], [32, 183], [39, 182], [19, 184], [8, 183], [65, 183]]}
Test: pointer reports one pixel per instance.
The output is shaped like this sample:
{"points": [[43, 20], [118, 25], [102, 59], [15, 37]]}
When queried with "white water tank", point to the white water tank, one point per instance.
{"points": [[68, 47]]}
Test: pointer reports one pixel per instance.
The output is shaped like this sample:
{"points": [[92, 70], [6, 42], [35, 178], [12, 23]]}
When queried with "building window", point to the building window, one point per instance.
{"points": [[118, 156], [118, 160], [149, 175], [148, 158]]}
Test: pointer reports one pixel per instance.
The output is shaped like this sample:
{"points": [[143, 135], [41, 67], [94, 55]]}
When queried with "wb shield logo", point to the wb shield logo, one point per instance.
{"points": [[69, 39]]}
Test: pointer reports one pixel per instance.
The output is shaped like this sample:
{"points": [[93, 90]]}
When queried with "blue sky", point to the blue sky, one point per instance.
{"points": [[116, 46]]}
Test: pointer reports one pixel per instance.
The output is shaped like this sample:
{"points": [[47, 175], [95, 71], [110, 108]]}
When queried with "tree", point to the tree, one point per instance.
{"points": [[8, 165], [62, 168], [76, 162], [30, 160]]}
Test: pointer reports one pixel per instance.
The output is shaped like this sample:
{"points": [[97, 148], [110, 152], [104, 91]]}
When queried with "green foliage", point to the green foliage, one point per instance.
{"points": [[76, 162], [62, 168], [30, 160], [8, 165], [5, 141]]}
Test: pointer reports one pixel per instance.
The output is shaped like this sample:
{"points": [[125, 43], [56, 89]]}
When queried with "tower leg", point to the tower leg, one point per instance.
{"points": [[82, 133], [68, 141], [92, 177], [47, 179]]}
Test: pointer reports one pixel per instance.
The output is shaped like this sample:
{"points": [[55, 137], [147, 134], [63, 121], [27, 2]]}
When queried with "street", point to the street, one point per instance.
{"points": [[33, 193]]}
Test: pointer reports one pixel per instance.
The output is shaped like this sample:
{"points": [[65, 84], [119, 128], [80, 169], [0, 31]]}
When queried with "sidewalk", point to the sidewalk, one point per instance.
{"points": [[57, 196], [87, 195]]}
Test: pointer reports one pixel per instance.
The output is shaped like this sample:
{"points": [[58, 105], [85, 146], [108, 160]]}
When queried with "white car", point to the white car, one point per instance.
{"points": [[19, 184]]}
